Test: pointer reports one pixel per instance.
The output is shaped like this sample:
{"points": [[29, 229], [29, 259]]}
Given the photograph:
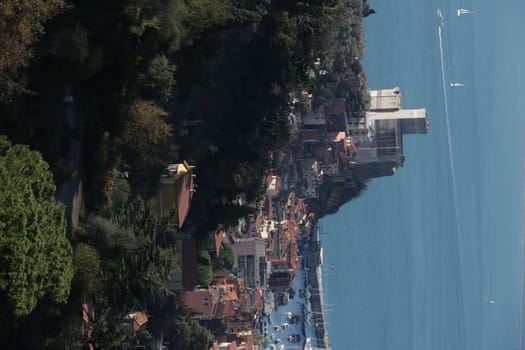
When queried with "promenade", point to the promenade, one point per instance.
{"points": [[300, 323], [315, 310]]}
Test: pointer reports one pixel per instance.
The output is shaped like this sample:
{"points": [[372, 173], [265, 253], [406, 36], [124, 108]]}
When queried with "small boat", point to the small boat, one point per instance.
{"points": [[456, 85], [491, 301], [440, 17], [461, 12]]}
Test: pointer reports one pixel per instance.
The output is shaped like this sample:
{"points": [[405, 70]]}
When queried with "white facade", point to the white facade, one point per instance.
{"points": [[385, 99], [413, 121]]}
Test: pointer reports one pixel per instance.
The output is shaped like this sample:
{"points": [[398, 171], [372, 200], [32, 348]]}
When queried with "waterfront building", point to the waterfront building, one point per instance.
{"points": [[385, 99], [380, 151]]}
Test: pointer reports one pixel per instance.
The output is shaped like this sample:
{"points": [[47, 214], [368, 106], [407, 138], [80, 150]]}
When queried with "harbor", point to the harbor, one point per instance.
{"points": [[296, 320]]}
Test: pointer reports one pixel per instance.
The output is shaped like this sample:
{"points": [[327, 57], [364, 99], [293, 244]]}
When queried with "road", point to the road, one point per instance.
{"points": [[70, 191]]}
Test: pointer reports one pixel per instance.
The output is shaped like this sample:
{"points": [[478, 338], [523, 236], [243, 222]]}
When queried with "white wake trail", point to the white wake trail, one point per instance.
{"points": [[452, 167], [449, 134]]}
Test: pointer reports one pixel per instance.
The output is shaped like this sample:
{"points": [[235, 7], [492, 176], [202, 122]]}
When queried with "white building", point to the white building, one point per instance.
{"points": [[380, 143]]}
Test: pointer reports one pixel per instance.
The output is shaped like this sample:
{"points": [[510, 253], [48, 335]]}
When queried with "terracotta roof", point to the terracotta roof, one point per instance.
{"points": [[139, 320], [175, 193], [88, 313], [259, 299], [300, 205], [258, 221], [341, 136], [228, 309], [219, 236], [195, 300], [185, 187]]}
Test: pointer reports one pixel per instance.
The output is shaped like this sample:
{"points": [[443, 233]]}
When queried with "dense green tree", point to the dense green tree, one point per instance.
{"points": [[137, 252], [189, 335], [179, 330], [158, 80], [35, 255], [108, 332], [204, 269], [226, 259], [87, 268]]}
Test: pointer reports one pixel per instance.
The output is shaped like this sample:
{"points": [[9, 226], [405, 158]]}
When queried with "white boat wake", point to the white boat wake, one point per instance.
{"points": [[449, 135], [451, 157]]}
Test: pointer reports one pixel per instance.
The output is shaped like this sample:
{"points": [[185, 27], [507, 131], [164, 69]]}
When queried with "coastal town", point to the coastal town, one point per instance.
{"points": [[273, 296]]}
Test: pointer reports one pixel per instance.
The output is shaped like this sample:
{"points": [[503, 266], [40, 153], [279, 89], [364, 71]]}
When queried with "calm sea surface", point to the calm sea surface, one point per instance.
{"points": [[420, 253]]}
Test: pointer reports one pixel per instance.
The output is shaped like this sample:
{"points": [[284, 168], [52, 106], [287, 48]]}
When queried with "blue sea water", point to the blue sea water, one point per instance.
{"points": [[420, 253]]}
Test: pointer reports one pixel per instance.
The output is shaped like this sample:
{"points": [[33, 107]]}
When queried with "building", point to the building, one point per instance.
{"points": [[175, 192], [385, 100], [273, 185], [311, 175], [184, 278], [281, 275], [379, 146], [310, 136], [250, 261], [218, 301], [412, 121], [314, 119]]}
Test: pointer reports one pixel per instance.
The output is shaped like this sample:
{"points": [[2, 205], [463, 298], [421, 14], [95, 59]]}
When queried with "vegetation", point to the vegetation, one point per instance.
{"points": [[35, 255], [224, 263], [204, 269], [207, 81], [179, 329], [138, 253], [21, 25]]}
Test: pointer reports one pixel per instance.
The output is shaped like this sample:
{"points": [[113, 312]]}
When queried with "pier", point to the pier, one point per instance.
{"points": [[315, 307]]}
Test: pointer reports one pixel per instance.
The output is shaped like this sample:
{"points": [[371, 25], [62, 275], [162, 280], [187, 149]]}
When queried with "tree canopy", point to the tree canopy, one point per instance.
{"points": [[21, 25], [35, 255]]}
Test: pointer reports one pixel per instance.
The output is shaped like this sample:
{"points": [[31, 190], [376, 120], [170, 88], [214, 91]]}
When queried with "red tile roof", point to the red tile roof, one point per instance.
{"points": [[139, 321], [219, 236], [175, 193], [195, 300], [185, 189]]}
